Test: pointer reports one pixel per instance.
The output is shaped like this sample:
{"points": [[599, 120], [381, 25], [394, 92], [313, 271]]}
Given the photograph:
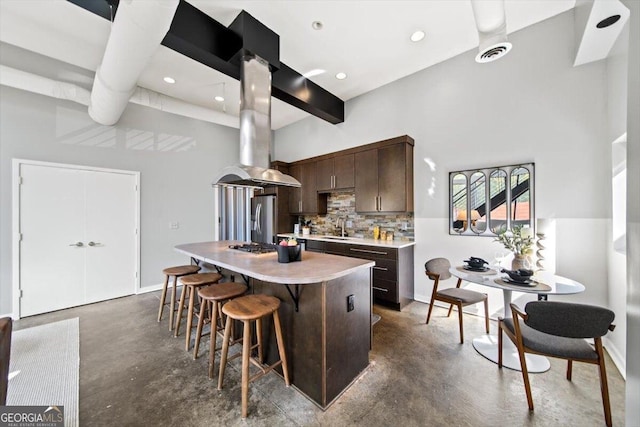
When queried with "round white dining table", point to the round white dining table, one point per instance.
{"points": [[546, 284]]}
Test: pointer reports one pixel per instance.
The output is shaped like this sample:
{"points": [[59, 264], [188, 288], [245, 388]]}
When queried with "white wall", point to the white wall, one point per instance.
{"points": [[531, 106], [617, 63], [632, 407], [177, 157]]}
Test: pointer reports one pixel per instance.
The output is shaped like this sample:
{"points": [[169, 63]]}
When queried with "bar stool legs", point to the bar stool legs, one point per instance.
{"points": [[164, 297], [190, 283], [176, 272], [212, 307], [246, 309], [225, 351], [246, 344], [281, 350], [212, 298]]}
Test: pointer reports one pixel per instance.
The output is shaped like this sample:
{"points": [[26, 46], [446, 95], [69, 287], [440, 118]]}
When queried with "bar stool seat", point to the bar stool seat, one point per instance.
{"points": [[247, 309], [212, 297], [190, 284], [179, 271]]}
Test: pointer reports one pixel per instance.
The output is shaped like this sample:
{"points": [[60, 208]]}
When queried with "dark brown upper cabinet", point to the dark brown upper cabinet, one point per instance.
{"points": [[305, 200], [380, 174], [384, 178], [335, 173], [284, 221]]}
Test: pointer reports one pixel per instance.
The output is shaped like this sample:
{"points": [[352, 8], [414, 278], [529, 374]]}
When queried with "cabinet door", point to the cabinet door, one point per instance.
{"points": [[343, 171], [366, 185], [309, 188], [295, 194], [392, 172], [315, 246], [324, 174]]}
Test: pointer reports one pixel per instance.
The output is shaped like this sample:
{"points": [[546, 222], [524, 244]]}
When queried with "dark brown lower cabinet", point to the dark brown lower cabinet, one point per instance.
{"points": [[392, 281], [315, 246]]}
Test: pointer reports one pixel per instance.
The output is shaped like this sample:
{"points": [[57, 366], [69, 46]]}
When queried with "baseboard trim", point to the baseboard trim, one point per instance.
{"points": [[7, 315], [618, 360], [151, 288]]}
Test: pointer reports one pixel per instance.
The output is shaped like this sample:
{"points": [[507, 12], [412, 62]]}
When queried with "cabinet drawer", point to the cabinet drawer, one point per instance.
{"points": [[372, 252], [335, 248], [385, 290], [385, 269]]}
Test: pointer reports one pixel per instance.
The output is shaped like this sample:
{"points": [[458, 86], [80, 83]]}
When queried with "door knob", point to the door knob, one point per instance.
{"points": [[78, 244], [93, 243]]}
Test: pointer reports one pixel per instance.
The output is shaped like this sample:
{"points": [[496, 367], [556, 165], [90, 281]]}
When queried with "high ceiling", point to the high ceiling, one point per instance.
{"points": [[367, 40]]}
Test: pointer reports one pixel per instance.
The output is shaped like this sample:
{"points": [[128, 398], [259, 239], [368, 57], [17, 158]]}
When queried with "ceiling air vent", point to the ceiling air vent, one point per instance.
{"points": [[491, 22], [491, 53]]}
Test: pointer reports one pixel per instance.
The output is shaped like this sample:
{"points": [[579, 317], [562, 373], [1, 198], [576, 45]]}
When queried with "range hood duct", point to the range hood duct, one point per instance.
{"points": [[255, 131]]}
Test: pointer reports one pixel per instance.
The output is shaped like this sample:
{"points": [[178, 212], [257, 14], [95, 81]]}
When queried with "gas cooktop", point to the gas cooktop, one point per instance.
{"points": [[255, 248]]}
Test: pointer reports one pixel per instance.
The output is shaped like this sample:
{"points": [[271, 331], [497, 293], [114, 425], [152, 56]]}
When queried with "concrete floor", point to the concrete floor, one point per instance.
{"points": [[133, 373]]}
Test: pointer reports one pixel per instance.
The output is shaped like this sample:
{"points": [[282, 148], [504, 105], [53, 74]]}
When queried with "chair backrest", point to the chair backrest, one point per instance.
{"points": [[439, 266], [568, 319], [6, 324]]}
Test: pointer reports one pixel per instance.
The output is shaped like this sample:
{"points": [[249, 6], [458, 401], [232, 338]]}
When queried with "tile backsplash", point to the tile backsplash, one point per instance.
{"points": [[343, 206]]}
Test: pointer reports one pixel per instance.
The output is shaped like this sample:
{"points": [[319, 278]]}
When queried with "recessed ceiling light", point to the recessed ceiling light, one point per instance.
{"points": [[219, 98], [341, 76], [606, 22], [316, 25], [417, 36], [169, 80]]}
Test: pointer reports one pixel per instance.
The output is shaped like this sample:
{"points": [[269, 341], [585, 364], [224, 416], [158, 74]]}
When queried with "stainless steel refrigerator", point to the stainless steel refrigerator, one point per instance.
{"points": [[263, 218]]}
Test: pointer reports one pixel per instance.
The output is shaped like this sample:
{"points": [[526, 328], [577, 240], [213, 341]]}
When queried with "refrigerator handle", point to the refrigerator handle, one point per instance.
{"points": [[258, 218]]}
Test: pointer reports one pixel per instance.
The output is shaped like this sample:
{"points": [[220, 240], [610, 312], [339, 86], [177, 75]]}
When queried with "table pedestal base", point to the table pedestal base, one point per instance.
{"points": [[487, 346]]}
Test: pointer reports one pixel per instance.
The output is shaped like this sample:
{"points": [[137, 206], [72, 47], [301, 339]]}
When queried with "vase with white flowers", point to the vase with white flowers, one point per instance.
{"points": [[519, 241]]}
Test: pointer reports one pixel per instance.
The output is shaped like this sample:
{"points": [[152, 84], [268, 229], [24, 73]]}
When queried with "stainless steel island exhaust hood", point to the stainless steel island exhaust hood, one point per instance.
{"points": [[255, 131]]}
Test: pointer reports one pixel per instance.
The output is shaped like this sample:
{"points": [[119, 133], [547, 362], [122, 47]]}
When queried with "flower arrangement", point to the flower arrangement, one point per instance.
{"points": [[519, 241]]}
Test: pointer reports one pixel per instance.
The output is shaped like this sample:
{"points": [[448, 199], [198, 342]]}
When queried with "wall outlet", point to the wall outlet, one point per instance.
{"points": [[404, 226], [350, 303], [174, 225], [349, 224]]}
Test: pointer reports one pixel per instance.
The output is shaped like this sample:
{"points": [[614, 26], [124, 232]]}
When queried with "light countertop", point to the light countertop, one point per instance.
{"points": [[314, 267], [352, 240]]}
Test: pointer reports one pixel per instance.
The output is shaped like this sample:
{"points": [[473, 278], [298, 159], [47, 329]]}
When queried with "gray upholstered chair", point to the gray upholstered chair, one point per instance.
{"points": [[559, 329], [5, 351], [438, 269]]}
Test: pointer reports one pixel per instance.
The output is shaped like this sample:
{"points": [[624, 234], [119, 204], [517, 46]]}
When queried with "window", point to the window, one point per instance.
{"points": [[485, 202]]}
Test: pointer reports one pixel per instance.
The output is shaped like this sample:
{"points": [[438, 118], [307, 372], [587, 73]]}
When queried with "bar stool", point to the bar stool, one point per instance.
{"points": [[176, 272], [190, 284], [215, 296], [246, 309]]}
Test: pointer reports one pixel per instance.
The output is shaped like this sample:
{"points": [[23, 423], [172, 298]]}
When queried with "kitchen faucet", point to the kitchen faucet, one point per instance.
{"points": [[340, 223]]}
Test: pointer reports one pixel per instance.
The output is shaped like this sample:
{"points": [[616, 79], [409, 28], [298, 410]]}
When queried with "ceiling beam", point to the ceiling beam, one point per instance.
{"points": [[196, 35]]}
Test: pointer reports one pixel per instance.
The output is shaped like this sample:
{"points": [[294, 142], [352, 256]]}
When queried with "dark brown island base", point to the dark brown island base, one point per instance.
{"points": [[325, 312]]}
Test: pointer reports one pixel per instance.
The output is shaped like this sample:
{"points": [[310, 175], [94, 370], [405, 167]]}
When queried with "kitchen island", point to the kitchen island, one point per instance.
{"points": [[325, 312]]}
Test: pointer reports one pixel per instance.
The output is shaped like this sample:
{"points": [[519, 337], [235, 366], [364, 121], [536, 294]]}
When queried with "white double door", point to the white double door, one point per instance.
{"points": [[77, 236]]}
